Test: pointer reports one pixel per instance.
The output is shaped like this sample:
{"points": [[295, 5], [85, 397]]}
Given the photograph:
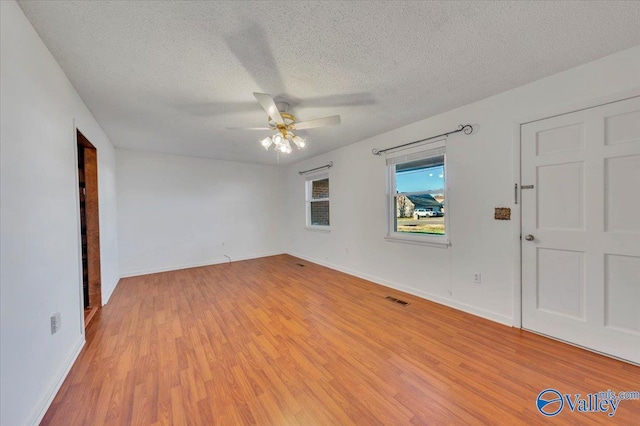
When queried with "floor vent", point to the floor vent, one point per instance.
{"points": [[393, 299], [300, 265]]}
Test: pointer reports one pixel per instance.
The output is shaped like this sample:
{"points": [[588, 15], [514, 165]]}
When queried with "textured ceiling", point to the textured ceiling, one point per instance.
{"points": [[171, 76]]}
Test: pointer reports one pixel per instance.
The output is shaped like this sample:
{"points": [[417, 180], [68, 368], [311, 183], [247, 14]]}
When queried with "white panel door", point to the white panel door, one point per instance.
{"points": [[581, 228]]}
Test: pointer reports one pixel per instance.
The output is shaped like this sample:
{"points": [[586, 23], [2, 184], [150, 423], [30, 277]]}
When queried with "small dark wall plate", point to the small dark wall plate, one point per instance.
{"points": [[502, 213]]}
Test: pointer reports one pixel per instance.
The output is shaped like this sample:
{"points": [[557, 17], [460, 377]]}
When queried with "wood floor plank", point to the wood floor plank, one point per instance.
{"points": [[266, 341]]}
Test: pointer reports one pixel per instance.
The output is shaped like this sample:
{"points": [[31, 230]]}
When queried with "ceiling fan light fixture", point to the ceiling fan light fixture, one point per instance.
{"points": [[266, 143], [300, 143], [284, 147], [284, 123]]}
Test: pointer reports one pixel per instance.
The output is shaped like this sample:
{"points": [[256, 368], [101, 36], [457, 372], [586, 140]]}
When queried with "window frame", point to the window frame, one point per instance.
{"points": [[441, 241], [308, 200]]}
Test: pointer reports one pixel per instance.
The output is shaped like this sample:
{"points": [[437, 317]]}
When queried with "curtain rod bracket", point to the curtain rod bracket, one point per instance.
{"points": [[467, 129]]}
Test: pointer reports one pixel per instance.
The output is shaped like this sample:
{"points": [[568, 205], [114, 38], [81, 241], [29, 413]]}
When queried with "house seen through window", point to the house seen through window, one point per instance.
{"points": [[318, 201], [418, 197]]}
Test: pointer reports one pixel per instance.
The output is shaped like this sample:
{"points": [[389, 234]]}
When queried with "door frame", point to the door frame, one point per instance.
{"points": [[74, 140], [77, 143], [517, 175]]}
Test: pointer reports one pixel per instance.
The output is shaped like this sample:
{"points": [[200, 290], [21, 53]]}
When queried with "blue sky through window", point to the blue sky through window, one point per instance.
{"points": [[428, 179]]}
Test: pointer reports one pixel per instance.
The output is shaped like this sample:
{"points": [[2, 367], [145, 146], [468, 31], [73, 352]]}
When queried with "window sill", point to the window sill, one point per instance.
{"points": [[418, 240], [321, 229]]}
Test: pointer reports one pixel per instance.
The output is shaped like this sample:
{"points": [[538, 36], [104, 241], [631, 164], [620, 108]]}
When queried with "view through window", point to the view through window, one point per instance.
{"points": [[419, 196], [318, 202]]}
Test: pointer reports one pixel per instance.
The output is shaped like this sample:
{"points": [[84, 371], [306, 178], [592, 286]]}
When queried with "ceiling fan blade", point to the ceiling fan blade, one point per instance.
{"points": [[269, 105], [250, 45], [342, 100], [249, 128], [318, 122]]}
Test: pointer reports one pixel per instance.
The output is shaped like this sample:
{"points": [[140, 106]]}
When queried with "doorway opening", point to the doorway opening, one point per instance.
{"points": [[89, 227]]}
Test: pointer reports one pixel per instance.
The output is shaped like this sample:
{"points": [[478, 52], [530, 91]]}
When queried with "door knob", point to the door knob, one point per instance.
{"points": [[529, 237]]}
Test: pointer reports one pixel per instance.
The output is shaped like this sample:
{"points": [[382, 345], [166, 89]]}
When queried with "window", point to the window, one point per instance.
{"points": [[318, 202], [417, 196]]}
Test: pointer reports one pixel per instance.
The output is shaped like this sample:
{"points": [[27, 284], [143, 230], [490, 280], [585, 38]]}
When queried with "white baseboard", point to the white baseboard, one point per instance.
{"points": [[47, 399], [195, 265], [499, 318]]}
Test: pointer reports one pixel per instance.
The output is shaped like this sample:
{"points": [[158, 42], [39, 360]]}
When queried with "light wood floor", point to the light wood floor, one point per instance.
{"points": [[269, 342]]}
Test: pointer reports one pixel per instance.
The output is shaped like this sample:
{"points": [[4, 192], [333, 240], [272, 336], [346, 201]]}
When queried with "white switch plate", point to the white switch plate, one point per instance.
{"points": [[56, 322]]}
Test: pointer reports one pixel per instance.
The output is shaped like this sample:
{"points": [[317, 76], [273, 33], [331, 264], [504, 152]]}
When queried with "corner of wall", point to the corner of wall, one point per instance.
{"points": [[107, 292]]}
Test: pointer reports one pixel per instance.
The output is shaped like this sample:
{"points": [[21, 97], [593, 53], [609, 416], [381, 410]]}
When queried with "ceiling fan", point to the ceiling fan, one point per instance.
{"points": [[284, 123]]}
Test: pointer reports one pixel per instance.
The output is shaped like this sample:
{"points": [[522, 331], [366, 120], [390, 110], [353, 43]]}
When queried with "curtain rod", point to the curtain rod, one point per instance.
{"points": [[466, 128], [326, 166]]}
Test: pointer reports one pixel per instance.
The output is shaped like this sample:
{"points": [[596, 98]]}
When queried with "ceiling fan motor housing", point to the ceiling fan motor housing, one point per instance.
{"points": [[289, 119]]}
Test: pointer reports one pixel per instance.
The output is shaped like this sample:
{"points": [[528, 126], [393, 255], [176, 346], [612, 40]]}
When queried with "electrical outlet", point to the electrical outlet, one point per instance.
{"points": [[477, 277], [56, 322]]}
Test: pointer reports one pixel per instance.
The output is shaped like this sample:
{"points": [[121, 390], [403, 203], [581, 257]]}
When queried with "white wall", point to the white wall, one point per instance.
{"points": [[481, 175], [39, 246], [176, 212]]}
